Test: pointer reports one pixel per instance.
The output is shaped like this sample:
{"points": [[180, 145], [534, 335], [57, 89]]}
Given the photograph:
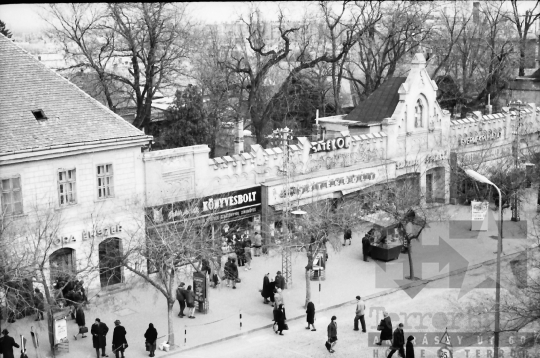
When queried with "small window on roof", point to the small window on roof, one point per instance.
{"points": [[39, 114]]}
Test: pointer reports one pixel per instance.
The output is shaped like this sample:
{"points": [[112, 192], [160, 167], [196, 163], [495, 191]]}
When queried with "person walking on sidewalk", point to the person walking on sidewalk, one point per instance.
{"points": [[181, 297], [99, 332], [231, 273], [280, 280], [119, 341], [386, 329], [239, 249], [80, 320], [6, 345], [279, 317], [39, 303], [247, 255], [409, 347], [360, 310], [398, 342], [151, 338], [257, 243], [332, 335], [366, 246], [310, 315], [347, 235], [265, 292], [190, 301]]}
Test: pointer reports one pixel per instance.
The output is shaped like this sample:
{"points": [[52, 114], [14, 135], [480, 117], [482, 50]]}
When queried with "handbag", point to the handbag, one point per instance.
{"points": [[126, 345], [327, 345], [83, 330], [285, 326], [147, 346], [238, 280]]}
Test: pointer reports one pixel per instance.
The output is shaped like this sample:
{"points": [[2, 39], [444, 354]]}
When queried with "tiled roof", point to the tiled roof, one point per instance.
{"points": [[380, 104], [73, 116]]}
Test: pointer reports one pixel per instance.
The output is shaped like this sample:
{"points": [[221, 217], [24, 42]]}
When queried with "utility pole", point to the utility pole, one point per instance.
{"points": [[515, 208]]}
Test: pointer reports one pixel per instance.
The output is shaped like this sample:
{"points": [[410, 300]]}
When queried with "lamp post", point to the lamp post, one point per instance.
{"points": [[482, 179], [518, 104], [285, 135]]}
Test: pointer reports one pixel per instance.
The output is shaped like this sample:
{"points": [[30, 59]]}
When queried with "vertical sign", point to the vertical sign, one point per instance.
{"points": [[479, 210], [199, 286], [60, 331]]}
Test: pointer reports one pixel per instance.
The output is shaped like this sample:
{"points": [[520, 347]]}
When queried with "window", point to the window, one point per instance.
{"points": [[418, 114], [39, 114], [105, 181], [67, 192], [11, 196]]}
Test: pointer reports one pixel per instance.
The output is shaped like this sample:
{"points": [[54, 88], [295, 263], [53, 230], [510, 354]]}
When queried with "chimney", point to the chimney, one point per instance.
{"points": [[476, 12], [239, 137]]}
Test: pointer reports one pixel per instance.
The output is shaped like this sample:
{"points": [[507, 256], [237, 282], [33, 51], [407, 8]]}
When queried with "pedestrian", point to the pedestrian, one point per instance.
{"points": [[280, 281], [99, 332], [39, 302], [366, 246], [347, 235], [265, 292], [81, 321], [239, 250], [190, 301], [332, 335], [247, 242], [279, 318], [360, 309], [205, 268], [119, 342], [257, 243], [247, 256], [231, 273], [151, 338], [310, 315], [278, 297], [215, 280], [409, 347], [181, 297], [398, 342], [386, 329], [272, 289], [6, 345]]}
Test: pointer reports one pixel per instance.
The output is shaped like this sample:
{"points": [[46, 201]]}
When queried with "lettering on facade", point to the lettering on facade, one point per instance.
{"points": [[330, 144], [341, 160], [480, 138], [430, 158], [89, 234], [214, 204], [483, 155]]}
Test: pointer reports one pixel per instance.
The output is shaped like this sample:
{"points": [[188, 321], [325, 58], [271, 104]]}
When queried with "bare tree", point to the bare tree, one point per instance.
{"points": [[523, 25]]}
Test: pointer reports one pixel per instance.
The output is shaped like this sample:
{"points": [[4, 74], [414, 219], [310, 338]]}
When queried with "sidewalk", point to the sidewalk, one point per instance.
{"points": [[346, 276]]}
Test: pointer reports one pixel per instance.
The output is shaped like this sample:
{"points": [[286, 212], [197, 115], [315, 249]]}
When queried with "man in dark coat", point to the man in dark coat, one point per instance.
{"points": [[332, 335], [181, 297], [39, 302], [366, 246], [398, 342], [118, 339], [99, 331], [231, 272], [310, 315], [386, 329], [266, 288], [280, 281], [347, 235], [6, 345]]}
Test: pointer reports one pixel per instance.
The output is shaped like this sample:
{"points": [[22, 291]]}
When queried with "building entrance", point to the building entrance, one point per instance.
{"points": [[110, 270]]}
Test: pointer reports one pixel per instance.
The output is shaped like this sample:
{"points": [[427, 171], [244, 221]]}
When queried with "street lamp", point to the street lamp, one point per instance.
{"points": [[482, 179]]}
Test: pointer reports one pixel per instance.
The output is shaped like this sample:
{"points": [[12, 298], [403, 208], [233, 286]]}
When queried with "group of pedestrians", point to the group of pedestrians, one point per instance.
{"points": [[186, 297]]}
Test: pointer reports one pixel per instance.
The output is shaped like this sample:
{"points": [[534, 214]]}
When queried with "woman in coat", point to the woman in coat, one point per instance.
{"points": [[280, 319], [6, 345], [310, 315], [409, 347], [386, 332], [280, 301], [190, 301], [265, 292], [151, 338], [80, 320], [119, 341]]}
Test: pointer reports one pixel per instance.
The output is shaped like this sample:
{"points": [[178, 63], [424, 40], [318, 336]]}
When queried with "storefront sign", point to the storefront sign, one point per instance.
{"points": [[480, 138], [233, 203], [428, 159], [89, 234], [342, 160], [330, 144], [306, 189], [481, 156]]}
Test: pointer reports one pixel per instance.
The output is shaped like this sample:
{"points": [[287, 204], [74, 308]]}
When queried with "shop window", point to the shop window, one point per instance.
{"points": [[105, 181], [11, 196], [67, 191]]}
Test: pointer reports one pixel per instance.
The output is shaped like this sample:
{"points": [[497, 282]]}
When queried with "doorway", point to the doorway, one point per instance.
{"points": [[62, 264], [110, 270]]}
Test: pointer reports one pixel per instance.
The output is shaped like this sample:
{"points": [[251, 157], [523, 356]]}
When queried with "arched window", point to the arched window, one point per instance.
{"points": [[419, 114], [62, 263]]}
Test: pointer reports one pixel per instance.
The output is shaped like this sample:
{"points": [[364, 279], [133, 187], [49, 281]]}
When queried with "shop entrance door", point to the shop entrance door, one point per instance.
{"points": [[110, 271], [429, 187], [62, 263]]}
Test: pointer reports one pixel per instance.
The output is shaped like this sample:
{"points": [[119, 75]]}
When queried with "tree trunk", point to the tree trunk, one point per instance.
{"points": [[409, 253], [522, 44], [170, 304], [308, 287], [49, 311]]}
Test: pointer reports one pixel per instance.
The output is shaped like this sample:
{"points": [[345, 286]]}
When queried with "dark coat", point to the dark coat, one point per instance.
{"points": [[180, 294], [99, 331], [151, 335], [271, 288], [279, 318], [79, 317], [386, 333], [39, 301], [347, 235], [190, 298], [310, 313], [366, 244], [409, 350], [231, 270], [332, 330], [280, 282], [6, 346], [266, 292], [119, 336], [399, 338]]}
